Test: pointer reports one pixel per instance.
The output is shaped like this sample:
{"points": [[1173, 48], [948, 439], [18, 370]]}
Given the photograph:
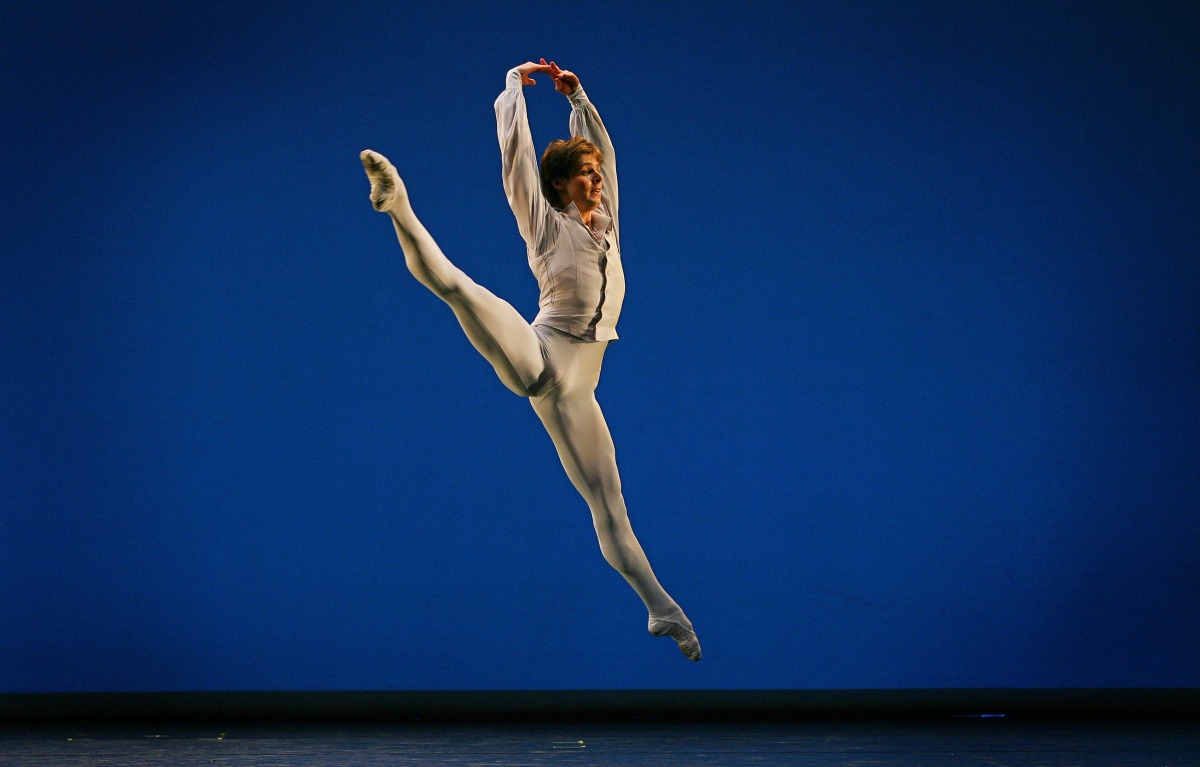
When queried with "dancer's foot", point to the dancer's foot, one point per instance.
{"points": [[679, 628], [386, 186]]}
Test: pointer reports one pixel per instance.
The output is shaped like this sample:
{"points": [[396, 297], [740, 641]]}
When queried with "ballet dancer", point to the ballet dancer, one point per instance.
{"points": [[567, 214]]}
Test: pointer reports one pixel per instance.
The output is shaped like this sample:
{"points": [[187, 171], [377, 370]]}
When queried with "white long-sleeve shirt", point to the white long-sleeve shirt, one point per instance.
{"points": [[581, 280]]}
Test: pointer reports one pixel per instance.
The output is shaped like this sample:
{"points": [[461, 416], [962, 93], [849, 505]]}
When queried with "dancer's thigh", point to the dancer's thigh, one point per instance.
{"points": [[572, 416], [500, 334], [576, 426]]}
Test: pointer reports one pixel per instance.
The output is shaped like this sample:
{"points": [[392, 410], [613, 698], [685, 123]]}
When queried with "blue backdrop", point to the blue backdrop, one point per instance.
{"points": [[906, 396]]}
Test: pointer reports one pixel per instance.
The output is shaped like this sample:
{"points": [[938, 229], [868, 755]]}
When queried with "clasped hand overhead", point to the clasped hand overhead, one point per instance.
{"points": [[565, 82]]}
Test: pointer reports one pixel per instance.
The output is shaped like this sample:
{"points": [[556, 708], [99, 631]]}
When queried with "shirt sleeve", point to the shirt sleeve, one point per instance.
{"points": [[585, 121], [521, 182]]}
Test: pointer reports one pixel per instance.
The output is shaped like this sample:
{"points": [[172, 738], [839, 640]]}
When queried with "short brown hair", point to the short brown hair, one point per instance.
{"points": [[561, 160]]}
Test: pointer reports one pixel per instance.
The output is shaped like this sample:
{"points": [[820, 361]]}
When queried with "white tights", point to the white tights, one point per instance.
{"points": [[558, 373]]}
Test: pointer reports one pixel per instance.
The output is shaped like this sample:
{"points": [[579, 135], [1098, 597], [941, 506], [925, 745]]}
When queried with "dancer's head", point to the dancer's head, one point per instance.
{"points": [[570, 172]]}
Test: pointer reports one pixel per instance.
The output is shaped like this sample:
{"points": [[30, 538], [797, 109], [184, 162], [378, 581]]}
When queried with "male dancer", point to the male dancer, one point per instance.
{"points": [[567, 214]]}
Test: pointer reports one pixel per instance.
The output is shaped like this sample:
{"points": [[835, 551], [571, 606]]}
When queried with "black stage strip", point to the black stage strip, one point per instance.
{"points": [[1157, 704], [950, 743]]}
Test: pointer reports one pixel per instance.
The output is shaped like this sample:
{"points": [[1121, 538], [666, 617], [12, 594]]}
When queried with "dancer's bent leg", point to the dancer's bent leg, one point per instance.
{"points": [[577, 427], [493, 326]]}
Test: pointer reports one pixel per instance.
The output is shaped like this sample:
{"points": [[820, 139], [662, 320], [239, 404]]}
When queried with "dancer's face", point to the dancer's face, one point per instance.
{"points": [[585, 186]]}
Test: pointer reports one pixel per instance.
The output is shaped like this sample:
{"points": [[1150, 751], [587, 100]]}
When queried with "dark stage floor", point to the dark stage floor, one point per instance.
{"points": [[992, 742]]}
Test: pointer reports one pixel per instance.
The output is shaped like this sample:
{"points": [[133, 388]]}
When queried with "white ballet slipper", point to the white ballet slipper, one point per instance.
{"points": [[679, 628], [386, 186]]}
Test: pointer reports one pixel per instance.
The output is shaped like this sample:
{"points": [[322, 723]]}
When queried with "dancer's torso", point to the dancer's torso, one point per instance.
{"points": [[580, 277]]}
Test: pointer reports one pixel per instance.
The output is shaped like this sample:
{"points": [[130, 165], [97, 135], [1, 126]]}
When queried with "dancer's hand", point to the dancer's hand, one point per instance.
{"points": [[565, 82], [528, 68]]}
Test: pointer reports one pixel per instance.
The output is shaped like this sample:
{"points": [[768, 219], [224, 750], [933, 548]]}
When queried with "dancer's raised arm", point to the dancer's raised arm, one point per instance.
{"points": [[520, 170], [585, 121]]}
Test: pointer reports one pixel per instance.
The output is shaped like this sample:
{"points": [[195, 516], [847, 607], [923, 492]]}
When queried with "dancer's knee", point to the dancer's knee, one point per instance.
{"points": [[443, 283], [618, 545], [611, 520]]}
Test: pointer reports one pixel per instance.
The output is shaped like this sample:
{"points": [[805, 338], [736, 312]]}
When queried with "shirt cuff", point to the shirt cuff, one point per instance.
{"points": [[513, 80], [577, 96]]}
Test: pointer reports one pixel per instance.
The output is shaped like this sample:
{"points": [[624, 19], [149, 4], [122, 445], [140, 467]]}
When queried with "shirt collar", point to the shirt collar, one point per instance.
{"points": [[601, 221]]}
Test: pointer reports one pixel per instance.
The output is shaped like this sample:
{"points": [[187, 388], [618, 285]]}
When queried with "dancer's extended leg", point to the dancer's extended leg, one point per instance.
{"points": [[576, 425], [493, 326]]}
